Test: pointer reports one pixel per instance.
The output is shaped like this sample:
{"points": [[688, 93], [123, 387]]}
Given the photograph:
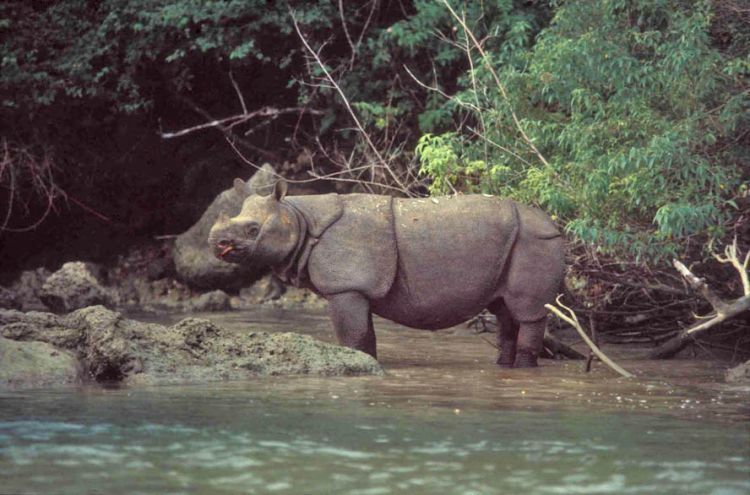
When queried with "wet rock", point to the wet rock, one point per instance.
{"points": [[72, 287], [195, 263], [24, 292], [299, 298], [216, 300], [739, 374], [112, 348], [26, 365], [160, 268], [9, 299], [37, 325], [266, 289]]}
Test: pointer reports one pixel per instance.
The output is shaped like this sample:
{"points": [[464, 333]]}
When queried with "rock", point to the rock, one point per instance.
{"points": [[266, 289], [9, 299], [194, 262], [24, 293], [300, 298], [739, 374], [112, 348], [36, 364], [72, 287], [36, 325], [160, 268], [216, 300]]}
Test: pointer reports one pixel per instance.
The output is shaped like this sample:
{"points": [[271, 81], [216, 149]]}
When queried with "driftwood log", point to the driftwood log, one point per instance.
{"points": [[723, 310]]}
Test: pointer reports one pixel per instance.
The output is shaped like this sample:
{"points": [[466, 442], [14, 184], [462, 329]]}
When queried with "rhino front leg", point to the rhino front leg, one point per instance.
{"points": [[507, 334], [530, 343], [352, 321]]}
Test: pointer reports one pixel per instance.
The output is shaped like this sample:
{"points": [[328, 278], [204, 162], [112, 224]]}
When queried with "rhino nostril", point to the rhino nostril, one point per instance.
{"points": [[223, 244]]}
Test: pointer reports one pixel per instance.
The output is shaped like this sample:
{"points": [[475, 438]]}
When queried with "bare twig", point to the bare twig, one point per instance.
{"points": [[346, 33], [239, 93], [349, 109], [21, 168], [229, 122], [732, 256], [572, 320], [498, 82]]}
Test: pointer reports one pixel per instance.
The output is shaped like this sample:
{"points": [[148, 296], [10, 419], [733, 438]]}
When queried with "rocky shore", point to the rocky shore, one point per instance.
{"points": [[99, 345]]}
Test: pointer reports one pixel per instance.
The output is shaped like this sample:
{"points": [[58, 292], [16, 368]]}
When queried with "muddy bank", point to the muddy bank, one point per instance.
{"points": [[109, 348]]}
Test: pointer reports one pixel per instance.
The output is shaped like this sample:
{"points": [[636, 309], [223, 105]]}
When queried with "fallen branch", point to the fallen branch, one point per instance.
{"points": [[722, 310], [572, 320], [553, 348]]}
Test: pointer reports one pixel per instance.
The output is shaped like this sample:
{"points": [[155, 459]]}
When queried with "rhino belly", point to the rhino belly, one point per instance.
{"points": [[451, 253], [397, 306]]}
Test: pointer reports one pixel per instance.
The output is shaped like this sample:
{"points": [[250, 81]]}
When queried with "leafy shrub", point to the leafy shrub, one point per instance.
{"points": [[640, 117]]}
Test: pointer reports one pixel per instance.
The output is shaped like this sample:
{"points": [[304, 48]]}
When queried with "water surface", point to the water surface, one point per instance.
{"points": [[444, 420]]}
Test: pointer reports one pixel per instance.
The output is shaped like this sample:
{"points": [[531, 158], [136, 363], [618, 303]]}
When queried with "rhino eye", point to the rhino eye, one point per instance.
{"points": [[252, 231]]}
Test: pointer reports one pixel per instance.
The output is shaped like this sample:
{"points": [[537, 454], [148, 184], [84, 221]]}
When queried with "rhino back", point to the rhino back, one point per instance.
{"points": [[451, 252]]}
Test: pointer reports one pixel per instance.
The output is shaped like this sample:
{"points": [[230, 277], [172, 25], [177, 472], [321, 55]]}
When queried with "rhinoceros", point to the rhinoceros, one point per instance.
{"points": [[427, 263]]}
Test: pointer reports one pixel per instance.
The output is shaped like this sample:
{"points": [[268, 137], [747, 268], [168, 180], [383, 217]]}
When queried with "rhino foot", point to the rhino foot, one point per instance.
{"points": [[506, 360], [525, 360]]}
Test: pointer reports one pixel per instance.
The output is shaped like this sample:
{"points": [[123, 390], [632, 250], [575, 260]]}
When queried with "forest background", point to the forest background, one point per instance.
{"points": [[627, 120]]}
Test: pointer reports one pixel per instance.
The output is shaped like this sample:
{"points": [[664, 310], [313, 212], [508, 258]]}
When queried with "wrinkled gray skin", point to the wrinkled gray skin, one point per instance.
{"points": [[425, 263]]}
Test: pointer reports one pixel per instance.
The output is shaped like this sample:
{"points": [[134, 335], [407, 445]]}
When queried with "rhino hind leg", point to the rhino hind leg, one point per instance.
{"points": [[507, 334], [530, 343], [352, 321]]}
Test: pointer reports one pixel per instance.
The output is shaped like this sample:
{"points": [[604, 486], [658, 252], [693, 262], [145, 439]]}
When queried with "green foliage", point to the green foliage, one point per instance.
{"points": [[639, 114], [639, 107], [113, 50]]}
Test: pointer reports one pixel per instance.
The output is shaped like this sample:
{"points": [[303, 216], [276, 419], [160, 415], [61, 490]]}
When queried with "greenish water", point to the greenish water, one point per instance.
{"points": [[443, 421]]}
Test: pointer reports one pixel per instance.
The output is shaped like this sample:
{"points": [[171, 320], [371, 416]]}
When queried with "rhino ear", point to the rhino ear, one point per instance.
{"points": [[280, 189], [240, 187]]}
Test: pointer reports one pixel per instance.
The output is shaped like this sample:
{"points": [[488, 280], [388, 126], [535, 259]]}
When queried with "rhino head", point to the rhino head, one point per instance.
{"points": [[265, 231]]}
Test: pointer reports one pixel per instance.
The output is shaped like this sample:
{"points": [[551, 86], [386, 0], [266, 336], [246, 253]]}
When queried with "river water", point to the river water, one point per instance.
{"points": [[444, 420]]}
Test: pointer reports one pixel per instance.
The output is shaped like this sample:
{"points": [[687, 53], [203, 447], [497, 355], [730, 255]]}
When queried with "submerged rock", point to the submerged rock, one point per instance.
{"points": [[72, 287], [739, 374], [268, 288], [216, 300], [35, 365], [195, 263], [112, 348]]}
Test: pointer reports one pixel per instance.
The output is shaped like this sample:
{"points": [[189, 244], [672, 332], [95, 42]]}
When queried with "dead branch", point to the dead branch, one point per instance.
{"points": [[572, 320], [722, 310], [386, 167], [27, 178], [499, 83], [228, 123]]}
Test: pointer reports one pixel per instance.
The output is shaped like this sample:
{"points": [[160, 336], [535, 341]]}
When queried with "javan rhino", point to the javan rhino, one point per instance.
{"points": [[426, 263]]}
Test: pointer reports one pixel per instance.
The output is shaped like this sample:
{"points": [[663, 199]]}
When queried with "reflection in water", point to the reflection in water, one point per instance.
{"points": [[444, 420]]}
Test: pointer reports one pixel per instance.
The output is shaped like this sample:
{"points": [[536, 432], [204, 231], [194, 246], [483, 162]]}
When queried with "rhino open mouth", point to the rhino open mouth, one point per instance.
{"points": [[226, 251]]}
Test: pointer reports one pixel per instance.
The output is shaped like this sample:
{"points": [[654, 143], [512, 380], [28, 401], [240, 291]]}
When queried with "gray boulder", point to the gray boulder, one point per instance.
{"points": [[9, 299], [268, 288], [739, 374], [72, 287], [35, 365], [216, 300], [195, 263], [112, 348], [24, 292]]}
